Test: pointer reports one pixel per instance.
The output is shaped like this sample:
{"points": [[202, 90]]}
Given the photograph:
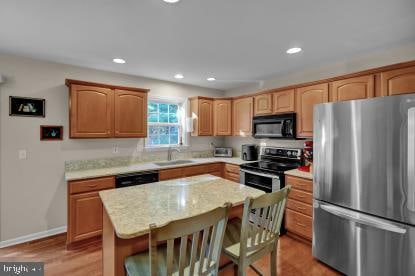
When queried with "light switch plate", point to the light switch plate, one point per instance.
{"points": [[22, 154]]}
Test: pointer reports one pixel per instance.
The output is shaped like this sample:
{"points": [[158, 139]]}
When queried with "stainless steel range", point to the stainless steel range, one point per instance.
{"points": [[268, 173]]}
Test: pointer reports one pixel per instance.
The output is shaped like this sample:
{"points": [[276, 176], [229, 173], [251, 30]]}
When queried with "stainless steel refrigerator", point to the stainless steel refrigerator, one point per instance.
{"points": [[364, 186]]}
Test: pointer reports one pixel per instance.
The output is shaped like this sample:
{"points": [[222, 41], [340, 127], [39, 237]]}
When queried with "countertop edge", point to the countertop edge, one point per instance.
{"points": [[95, 173], [298, 173]]}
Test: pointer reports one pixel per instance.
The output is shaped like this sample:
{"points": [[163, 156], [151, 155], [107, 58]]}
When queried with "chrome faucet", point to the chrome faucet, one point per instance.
{"points": [[170, 152]]}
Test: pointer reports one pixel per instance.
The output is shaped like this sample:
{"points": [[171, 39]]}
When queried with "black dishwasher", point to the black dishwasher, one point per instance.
{"points": [[132, 179]]}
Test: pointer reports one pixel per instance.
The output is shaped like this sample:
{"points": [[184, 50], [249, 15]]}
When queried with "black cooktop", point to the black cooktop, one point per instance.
{"points": [[269, 166]]}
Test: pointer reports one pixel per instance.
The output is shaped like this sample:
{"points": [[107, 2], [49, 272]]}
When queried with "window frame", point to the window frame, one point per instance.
{"points": [[182, 137]]}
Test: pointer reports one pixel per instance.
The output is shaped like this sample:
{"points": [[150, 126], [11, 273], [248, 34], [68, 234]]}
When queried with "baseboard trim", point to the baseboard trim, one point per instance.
{"points": [[34, 236]]}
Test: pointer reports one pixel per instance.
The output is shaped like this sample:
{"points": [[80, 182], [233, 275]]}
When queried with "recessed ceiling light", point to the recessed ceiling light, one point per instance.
{"points": [[294, 50], [171, 1], [211, 79], [178, 76], [119, 60]]}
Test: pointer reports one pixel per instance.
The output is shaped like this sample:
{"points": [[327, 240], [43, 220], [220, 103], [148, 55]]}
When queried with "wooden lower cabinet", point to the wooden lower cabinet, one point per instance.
{"points": [[231, 172], [227, 171], [85, 208], [299, 208]]}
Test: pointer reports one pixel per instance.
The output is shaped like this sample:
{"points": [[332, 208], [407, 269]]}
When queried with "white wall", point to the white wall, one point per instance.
{"points": [[33, 191]]}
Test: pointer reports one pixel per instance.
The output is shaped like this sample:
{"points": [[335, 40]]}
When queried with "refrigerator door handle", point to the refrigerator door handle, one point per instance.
{"points": [[363, 219], [411, 159]]}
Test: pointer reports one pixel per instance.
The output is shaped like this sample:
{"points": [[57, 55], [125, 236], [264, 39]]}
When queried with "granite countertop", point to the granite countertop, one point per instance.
{"points": [[132, 209], [299, 173], [145, 166]]}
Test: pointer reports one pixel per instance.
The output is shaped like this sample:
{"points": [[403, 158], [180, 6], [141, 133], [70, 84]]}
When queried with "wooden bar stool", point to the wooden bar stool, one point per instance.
{"points": [[206, 231], [245, 242]]}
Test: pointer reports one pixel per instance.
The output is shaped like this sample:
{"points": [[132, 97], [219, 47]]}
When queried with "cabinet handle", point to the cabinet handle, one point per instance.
{"points": [[300, 196], [300, 208], [301, 224]]}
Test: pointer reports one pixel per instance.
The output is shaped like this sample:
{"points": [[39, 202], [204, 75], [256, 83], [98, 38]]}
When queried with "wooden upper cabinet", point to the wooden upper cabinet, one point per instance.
{"points": [[353, 89], [91, 110], [104, 111], [283, 101], [263, 104], [222, 117], [307, 97], [130, 116], [397, 82], [242, 113], [201, 110]]}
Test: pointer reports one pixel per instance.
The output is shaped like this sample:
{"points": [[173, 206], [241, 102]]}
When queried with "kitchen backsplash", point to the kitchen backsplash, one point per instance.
{"points": [[121, 161]]}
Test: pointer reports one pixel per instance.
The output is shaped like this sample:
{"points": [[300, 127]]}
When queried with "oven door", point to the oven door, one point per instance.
{"points": [[265, 182]]}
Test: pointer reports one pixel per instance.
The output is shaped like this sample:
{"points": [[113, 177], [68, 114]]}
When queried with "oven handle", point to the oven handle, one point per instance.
{"points": [[261, 174]]}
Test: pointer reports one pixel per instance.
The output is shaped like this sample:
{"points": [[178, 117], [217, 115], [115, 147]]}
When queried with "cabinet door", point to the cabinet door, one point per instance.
{"points": [[91, 112], [263, 104], [353, 89], [242, 116], [397, 82], [307, 97], [283, 101], [222, 116], [85, 216], [205, 117], [130, 114]]}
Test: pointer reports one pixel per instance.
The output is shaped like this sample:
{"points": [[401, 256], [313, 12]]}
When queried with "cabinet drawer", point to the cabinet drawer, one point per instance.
{"points": [[170, 174], [195, 170], [299, 183], [90, 185], [300, 207], [214, 167], [299, 224], [232, 168], [232, 177], [301, 196]]}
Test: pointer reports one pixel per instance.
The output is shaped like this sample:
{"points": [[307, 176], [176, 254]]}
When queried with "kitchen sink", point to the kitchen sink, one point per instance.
{"points": [[173, 162]]}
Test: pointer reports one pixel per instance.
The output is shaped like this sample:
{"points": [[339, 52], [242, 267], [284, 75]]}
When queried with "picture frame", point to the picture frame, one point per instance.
{"points": [[51, 133], [26, 107]]}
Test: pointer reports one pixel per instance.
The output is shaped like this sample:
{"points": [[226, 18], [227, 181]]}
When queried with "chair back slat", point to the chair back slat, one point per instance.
{"points": [[266, 224], [200, 262], [193, 253], [170, 254], [182, 257]]}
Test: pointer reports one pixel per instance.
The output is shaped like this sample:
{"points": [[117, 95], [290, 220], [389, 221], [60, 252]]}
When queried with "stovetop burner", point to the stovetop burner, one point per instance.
{"points": [[275, 160], [269, 166]]}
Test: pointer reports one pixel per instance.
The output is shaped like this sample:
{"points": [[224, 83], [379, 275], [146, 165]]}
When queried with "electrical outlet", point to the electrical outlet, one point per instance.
{"points": [[22, 154], [115, 150]]}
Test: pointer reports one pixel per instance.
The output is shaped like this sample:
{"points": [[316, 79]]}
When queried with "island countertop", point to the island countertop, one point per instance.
{"points": [[132, 209]]}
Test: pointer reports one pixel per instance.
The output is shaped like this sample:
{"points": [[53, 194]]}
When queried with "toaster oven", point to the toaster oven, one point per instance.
{"points": [[222, 152]]}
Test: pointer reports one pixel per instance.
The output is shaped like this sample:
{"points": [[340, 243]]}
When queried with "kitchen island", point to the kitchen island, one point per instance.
{"points": [[128, 212]]}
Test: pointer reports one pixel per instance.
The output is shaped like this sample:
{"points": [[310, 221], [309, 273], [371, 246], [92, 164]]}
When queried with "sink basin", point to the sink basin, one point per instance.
{"points": [[173, 162]]}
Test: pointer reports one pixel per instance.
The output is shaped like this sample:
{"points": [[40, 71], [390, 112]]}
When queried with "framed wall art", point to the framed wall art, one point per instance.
{"points": [[28, 107], [51, 133]]}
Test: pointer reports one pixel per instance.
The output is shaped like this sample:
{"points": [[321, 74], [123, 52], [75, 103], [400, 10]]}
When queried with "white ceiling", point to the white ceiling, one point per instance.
{"points": [[236, 41]]}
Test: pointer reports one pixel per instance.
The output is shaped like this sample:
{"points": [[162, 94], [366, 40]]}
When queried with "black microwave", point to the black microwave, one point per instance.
{"points": [[274, 126]]}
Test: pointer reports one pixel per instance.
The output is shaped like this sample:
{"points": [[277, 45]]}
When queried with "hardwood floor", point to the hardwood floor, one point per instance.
{"points": [[294, 258]]}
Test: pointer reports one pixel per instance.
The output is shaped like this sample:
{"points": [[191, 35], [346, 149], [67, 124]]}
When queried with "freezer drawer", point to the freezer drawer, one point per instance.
{"points": [[359, 244]]}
